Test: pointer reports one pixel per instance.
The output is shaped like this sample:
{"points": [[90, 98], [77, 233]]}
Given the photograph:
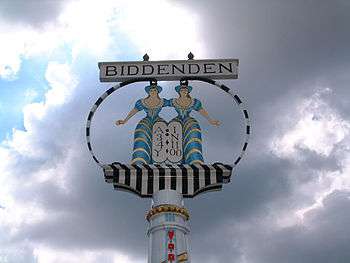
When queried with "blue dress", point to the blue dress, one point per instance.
{"points": [[191, 131], [142, 152]]}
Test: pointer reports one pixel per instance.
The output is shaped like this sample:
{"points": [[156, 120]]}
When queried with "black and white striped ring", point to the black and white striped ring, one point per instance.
{"points": [[238, 101]]}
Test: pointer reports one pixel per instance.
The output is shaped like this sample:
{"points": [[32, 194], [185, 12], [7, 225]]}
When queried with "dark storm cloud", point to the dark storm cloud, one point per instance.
{"points": [[322, 238], [284, 48], [32, 12], [279, 43]]}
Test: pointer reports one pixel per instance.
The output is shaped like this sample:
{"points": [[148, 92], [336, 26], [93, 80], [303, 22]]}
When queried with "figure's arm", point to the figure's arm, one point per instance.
{"points": [[198, 107], [130, 115], [205, 114]]}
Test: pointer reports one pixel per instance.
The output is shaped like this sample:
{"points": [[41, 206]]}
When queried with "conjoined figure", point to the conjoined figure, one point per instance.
{"points": [[191, 131], [152, 105]]}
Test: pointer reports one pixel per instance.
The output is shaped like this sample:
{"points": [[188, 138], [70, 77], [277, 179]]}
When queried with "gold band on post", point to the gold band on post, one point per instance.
{"points": [[183, 257], [168, 208]]}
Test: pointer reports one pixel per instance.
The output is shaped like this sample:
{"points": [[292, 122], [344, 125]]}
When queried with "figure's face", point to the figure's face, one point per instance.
{"points": [[153, 91], [183, 91]]}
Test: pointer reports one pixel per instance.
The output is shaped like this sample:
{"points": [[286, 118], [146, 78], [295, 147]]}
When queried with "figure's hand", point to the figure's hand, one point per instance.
{"points": [[214, 122], [120, 122]]}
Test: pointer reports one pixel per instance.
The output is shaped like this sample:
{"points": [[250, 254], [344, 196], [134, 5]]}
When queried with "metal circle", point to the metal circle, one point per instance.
{"points": [[238, 101]]}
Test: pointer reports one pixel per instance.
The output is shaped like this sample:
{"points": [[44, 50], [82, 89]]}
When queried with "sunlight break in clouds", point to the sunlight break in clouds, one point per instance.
{"points": [[320, 129], [162, 29], [62, 82], [26, 144]]}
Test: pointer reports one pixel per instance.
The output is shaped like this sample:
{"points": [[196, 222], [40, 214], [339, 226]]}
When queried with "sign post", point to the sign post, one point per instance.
{"points": [[167, 161]]}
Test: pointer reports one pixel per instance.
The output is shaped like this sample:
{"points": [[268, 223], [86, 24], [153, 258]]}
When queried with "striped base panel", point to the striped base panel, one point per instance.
{"points": [[190, 180]]}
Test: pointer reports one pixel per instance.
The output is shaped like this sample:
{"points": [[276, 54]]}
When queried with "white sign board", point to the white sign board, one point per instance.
{"points": [[169, 70], [167, 142]]}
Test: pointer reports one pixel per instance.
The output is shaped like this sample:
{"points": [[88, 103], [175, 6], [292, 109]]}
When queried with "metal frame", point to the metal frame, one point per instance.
{"points": [[238, 101]]}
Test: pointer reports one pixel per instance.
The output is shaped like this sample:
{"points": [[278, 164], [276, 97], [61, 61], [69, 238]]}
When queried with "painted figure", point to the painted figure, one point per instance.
{"points": [[152, 105], [192, 138]]}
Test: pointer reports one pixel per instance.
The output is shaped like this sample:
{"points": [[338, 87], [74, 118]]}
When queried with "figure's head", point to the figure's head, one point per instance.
{"points": [[153, 89], [183, 89]]}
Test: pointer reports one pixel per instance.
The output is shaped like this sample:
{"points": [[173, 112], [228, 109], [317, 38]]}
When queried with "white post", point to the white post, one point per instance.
{"points": [[168, 228]]}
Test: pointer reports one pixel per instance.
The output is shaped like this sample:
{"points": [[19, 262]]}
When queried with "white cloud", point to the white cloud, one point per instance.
{"points": [[18, 42], [159, 27], [30, 145], [318, 128], [62, 82]]}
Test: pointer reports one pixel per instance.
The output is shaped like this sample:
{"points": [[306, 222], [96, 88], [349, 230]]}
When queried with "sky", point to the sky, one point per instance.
{"points": [[289, 199]]}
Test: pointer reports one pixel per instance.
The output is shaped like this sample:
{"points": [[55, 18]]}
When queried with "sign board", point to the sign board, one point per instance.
{"points": [[167, 142], [169, 70]]}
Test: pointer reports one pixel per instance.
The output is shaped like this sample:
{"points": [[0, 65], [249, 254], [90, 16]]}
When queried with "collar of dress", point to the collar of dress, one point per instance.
{"points": [[155, 107], [183, 107]]}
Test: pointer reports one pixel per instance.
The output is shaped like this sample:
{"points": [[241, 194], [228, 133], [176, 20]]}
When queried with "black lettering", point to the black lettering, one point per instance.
{"points": [[144, 70], [208, 67], [111, 69], [178, 69], [190, 67], [157, 152], [176, 146], [122, 70], [228, 69], [134, 67], [162, 67], [176, 137]]}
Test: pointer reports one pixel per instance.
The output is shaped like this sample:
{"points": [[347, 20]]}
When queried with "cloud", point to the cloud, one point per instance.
{"points": [[315, 138], [318, 128], [322, 237], [33, 12], [94, 27], [163, 29]]}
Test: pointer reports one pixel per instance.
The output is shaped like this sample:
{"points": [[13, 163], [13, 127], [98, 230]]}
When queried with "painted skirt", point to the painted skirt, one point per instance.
{"points": [[142, 151], [192, 141]]}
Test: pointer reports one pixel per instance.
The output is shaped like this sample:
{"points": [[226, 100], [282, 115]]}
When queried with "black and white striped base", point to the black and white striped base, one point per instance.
{"points": [[189, 180]]}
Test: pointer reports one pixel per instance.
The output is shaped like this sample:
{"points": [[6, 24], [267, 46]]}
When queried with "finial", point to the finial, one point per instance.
{"points": [[190, 56], [184, 82], [145, 57]]}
